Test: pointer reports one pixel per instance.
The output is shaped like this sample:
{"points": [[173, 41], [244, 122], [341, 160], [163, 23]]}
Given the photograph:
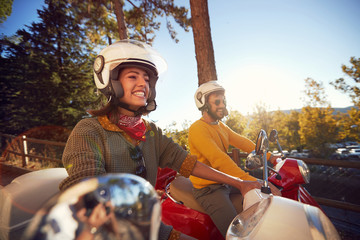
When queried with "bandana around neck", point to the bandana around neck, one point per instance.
{"points": [[133, 126]]}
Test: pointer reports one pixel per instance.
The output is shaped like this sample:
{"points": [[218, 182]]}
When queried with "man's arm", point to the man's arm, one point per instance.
{"points": [[203, 171]]}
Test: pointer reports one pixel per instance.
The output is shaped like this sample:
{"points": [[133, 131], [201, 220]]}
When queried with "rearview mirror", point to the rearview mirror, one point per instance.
{"points": [[273, 135], [262, 143]]}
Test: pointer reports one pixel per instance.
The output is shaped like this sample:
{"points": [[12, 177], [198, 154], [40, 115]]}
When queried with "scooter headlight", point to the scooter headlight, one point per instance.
{"points": [[304, 170], [244, 223]]}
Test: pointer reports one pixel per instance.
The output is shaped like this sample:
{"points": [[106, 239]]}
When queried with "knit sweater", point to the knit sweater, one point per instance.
{"points": [[96, 147], [210, 143]]}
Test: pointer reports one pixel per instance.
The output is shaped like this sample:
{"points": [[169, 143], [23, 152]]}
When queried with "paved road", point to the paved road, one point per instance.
{"points": [[346, 222]]}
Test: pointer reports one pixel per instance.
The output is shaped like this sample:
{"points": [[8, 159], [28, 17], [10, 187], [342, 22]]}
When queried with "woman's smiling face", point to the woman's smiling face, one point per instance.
{"points": [[135, 82]]}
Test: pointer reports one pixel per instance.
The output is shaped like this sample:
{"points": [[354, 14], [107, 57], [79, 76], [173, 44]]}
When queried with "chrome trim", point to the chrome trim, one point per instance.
{"points": [[304, 170], [316, 228], [168, 194]]}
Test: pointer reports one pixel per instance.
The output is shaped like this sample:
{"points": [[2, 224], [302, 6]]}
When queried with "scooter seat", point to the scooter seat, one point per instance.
{"points": [[181, 191]]}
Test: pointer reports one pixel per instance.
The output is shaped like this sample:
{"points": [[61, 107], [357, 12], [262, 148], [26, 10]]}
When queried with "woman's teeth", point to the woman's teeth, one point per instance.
{"points": [[140, 94]]}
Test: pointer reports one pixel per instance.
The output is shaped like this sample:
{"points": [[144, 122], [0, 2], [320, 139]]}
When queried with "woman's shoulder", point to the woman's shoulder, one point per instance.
{"points": [[150, 125], [87, 124], [88, 121]]}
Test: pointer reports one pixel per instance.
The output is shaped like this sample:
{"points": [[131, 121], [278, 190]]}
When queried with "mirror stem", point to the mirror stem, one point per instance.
{"points": [[265, 189], [280, 149]]}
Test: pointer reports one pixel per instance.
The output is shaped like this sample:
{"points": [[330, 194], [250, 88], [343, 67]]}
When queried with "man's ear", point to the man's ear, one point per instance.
{"points": [[205, 108]]}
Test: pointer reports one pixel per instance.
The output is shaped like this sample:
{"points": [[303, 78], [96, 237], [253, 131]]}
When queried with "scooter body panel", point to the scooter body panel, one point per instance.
{"points": [[279, 221], [24, 196], [188, 221], [288, 169]]}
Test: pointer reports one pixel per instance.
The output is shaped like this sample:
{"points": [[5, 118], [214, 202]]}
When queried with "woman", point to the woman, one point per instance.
{"points": [[118, 140]]}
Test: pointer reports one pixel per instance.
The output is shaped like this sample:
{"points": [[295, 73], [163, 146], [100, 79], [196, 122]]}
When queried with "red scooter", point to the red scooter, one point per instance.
{"points": [[181, 210]]}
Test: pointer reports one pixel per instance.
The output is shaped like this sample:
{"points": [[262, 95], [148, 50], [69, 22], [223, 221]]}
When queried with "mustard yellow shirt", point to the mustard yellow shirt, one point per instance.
{"points": [[210, 143]]}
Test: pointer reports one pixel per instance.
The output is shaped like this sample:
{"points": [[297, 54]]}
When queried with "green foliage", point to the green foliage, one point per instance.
{"points": [[317, 129], [292, 127], [5, 9], [354, 73], [142, 19], [317, 122], [46, 69], [350, 128], [354, 124], [280, 122], [46, 75], [236, 121], [348, 125], [315, 92], [261, 119], [180, 137]]}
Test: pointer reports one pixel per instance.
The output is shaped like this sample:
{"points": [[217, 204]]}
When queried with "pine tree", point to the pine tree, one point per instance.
{"points": [[108, 20], [46, 72]]}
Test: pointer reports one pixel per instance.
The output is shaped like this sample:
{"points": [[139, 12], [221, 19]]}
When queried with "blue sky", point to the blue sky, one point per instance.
{"points": [[264, 51]]}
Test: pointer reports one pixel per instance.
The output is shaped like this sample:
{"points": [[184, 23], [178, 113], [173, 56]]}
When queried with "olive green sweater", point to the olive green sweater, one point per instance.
{"points": [[93, 150]]}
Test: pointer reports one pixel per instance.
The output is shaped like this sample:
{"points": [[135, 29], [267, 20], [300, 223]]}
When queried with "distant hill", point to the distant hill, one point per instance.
{"points": [[342, 110]]}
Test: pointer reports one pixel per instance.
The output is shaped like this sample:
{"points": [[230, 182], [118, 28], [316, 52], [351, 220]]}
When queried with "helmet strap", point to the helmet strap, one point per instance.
{"points": [[118, 103], [150, 106]]}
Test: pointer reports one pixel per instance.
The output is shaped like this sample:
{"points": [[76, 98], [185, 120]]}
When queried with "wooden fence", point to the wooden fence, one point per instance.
{"points": [[23, 141], [235, 154]]}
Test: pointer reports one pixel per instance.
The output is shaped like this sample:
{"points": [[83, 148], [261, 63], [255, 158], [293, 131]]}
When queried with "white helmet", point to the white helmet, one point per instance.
{"points": [[204, 90], [126, 53]]}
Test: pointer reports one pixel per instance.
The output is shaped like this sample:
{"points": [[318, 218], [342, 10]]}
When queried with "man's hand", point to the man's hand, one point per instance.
{"points": [[274, 190], [245, 186]]}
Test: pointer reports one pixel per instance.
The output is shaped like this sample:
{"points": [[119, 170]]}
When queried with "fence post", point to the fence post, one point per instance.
{"points": [[235, 156], [24, 151]]}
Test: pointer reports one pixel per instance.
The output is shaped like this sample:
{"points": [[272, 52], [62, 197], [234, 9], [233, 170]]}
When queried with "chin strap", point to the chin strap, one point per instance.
{"points": [[151, 106]]}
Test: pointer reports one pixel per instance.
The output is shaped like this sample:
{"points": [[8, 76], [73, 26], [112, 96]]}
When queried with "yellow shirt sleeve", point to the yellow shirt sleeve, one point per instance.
{"points": [[243, 143]]}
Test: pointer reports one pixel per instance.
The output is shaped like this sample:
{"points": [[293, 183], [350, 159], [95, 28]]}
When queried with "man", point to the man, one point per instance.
{"points": [[209, 140]]}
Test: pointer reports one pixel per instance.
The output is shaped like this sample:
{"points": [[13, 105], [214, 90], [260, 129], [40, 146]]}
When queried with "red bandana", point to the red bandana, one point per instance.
{"points": [[133, 126]]}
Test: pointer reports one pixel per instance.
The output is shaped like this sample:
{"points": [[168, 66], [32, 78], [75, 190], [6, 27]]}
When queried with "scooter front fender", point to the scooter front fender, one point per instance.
{"points": [[300, 194]]}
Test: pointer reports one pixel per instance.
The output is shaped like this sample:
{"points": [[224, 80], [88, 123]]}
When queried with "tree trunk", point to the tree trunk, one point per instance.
{"points": [[203, 43], [120, 19]]}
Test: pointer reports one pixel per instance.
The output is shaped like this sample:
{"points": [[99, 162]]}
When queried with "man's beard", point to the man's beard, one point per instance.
{"points": [[214, 116]]}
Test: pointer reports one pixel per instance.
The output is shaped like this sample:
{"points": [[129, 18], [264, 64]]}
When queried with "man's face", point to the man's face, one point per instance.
{"points": [[217, 105]]}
